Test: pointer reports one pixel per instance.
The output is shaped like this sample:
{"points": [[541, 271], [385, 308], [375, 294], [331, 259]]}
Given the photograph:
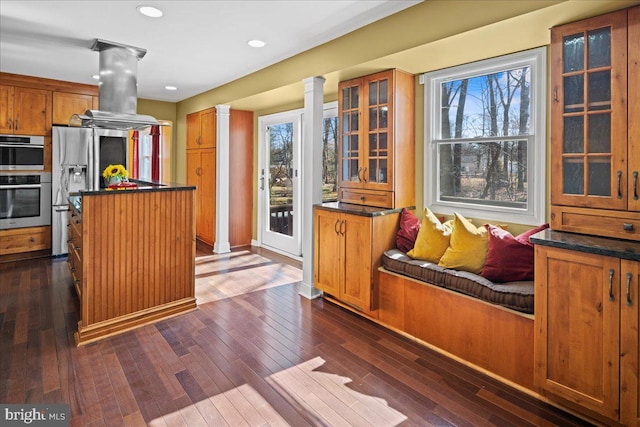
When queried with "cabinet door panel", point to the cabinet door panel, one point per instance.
{"points": [[207, 196], [193, 130], [350, 143], [32, 108], [577, 299], [67, 104], [6, 109], [356, 286], [193, 178], [377, 156], [208, 128], [630, 344], [327, 251], [634, 109], [589, 114]]}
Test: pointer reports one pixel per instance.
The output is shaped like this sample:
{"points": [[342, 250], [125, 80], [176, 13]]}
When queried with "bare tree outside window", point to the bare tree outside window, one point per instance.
{"points": [[330, 159], [482, 157], [281, 160]]}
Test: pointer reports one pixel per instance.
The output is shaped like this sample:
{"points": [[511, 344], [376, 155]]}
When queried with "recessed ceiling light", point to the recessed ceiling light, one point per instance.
{"points": [[95, 76], [150, 11], [256, 43], [171, 88]]}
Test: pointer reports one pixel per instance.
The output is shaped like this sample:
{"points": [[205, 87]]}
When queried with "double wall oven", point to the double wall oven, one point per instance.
{"points": [[25, 189]]}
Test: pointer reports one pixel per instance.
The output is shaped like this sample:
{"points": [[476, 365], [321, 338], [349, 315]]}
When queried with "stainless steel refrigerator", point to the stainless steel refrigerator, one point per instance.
{"points": [[71, 159]]}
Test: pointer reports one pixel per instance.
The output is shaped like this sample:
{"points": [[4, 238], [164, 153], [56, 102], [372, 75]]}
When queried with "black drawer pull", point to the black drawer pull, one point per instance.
{"points": [[619, 184], [635, 185], [629, 277], [627, 227], [611, 296]]}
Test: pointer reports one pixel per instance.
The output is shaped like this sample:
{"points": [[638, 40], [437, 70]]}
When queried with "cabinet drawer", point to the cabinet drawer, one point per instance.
{"points": [[25, 240], [599, 222], [75, 233], [381, 199], [74, 217], [75, 266]]}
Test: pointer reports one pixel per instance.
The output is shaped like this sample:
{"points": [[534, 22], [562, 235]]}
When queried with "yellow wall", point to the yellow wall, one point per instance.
{"points": [[431, 35]]}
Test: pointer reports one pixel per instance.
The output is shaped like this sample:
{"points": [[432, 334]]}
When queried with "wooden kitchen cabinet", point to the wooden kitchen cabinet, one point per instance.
{"points": [[25, 111], [630, 345], [376, 153], [347, 253], [29, 239], [75, 248], [201, 129], [201, 172], [595, 145], [132, 258], [586, 325], [67, 104]]}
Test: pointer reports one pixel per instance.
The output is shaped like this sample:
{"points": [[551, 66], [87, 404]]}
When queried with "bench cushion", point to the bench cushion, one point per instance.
{"points": [[514, 295]]}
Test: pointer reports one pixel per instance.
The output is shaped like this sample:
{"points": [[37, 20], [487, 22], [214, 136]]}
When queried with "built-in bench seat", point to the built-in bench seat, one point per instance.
{"points": [[514, 295], [486, 325]]}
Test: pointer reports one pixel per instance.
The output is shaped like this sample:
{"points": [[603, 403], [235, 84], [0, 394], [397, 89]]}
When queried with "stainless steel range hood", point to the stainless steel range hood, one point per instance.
{"points": [[118, 89]]}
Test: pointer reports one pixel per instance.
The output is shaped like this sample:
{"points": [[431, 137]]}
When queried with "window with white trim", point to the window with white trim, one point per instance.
{"points": [[485, 137]]}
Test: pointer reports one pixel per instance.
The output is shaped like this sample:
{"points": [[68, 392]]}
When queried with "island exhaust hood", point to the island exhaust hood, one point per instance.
{"points": [[117, 89]]}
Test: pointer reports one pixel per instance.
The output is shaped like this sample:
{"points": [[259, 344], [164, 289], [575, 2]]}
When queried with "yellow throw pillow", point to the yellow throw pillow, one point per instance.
{"points": [[468, 246], [432, 240]]}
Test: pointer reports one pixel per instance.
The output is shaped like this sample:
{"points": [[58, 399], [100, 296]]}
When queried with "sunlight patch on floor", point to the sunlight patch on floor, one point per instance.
{"points": [[322, 398], [219, 286]]}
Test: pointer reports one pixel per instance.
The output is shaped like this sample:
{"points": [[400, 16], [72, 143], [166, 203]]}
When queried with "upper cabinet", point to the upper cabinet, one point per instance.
{"points": [[594, 142], [67, 104], [24, 111], [201, 129], [376, 149]]}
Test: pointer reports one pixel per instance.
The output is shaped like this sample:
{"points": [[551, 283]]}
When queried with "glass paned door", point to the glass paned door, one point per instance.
{"points": [[584, 101], [350, 173], [279, 180], [376, 168]]}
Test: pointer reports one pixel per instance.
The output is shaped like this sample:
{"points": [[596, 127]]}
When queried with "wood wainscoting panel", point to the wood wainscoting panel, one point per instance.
{"points": [[138, 255], [484, 335]]}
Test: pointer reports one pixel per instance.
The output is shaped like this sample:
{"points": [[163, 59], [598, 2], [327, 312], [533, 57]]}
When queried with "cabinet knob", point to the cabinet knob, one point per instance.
{"points": [[627, 227], [32, 239], [362, 198]]}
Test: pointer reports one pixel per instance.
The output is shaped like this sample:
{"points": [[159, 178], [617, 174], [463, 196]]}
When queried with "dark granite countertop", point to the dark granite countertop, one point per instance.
{"points": [[625, 249], [369, 211], [142, 186]]}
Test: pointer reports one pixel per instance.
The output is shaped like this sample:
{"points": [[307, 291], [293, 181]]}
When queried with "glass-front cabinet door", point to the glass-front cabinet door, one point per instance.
{"points": [[350, 168], [589, 113], [378, 131]]}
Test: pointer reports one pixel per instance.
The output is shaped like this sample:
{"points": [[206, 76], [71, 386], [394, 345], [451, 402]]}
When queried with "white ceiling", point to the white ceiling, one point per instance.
{"points": [[195, 46]]}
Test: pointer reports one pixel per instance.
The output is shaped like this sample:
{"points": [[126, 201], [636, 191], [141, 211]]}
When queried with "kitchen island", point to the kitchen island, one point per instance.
{"points": [[132, 256]]}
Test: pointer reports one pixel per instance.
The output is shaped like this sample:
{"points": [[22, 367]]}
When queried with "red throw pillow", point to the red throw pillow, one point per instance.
{"points": [[509, 258], [408, 232], [524, 237]]}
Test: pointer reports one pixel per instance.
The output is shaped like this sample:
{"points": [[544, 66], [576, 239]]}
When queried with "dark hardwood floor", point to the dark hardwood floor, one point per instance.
{"points": [[264, 357]]}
